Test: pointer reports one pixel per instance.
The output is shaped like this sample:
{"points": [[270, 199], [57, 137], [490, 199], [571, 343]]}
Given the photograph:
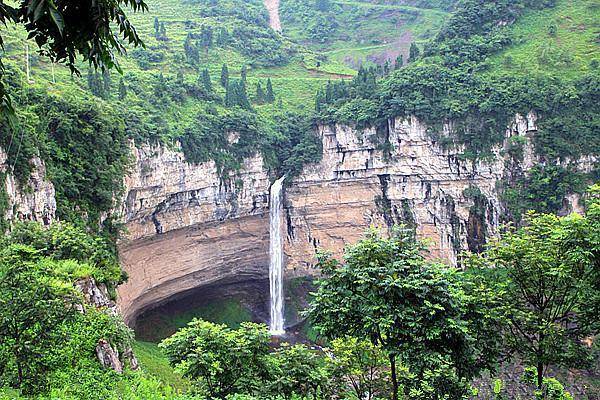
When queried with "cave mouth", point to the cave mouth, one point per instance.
{"points": [[230, 303]]}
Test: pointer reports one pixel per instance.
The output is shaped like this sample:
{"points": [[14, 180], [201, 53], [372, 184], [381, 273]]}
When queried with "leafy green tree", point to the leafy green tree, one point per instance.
{"points": [[361, 364], [32, 304], [296, 371], [224, 76], [547, 278], [270, 96], [322, 5], [223, 361], [122, 89], [65, 32], [421, 314]]}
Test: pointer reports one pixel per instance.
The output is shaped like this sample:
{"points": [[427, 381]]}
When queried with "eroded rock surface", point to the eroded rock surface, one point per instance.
{"points": [[33, 200], [188, 227]]}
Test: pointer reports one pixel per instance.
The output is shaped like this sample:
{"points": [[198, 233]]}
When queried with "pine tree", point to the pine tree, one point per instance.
{"points": [[106, 84], [163, 31], [191, 51], [231, 94], [386, 67], [260, 94], [224, 76], [244, 73], [180, 77], [206, 83], [413, 53], [242, 95], [399, 63], [122, 90], [222, 37], [156, 27], [270, 96], [94, 83], [206, 36]]}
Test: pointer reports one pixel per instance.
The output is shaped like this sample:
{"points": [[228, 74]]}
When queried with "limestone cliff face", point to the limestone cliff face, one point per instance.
{"points": [[33, 201], [188, 227]]}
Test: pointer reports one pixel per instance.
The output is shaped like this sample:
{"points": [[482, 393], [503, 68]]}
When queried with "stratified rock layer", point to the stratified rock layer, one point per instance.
{"points": [[188, 227]]}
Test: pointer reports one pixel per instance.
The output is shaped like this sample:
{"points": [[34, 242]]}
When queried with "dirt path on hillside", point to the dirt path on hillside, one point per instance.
{"points": [[273, 8]]}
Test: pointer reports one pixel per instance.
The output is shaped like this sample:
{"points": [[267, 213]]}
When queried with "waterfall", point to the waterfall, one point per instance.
{"points": [[276, 259]]}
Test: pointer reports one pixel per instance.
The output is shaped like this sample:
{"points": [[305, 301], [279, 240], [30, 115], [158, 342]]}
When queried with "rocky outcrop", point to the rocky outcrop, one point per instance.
{"points": [[96, 295], [33, 201], [190, 228]]}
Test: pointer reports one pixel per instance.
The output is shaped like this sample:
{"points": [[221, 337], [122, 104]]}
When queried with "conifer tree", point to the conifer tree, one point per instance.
{"points": [[95, 83], [156, 27], [106, 84], [222, 37], [270, 96], [163, 31], [206, 83], [244, 73], [224, 76], [122, 90], [413, 53], [232, 94], [191, 51], [242, 95], [399, 63], [260, 94], [206, 36], [180, 77]]}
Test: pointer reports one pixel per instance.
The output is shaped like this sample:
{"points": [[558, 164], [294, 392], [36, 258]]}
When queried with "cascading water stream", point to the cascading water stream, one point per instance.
{"points": [[276, 259]]}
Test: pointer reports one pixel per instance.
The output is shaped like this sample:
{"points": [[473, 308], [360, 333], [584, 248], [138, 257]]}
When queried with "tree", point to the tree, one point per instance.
{"points": [[296, 371], [322, 5], [156, 27], [32, 304], [206, 83], [66, 31], [224, 76], [270, 96], [106, 83], [399, 62], [222, 360], [244, 73], [420, 313], [162, 32], [362, 365], [260, 94], [191, 51], [122, 90], [546, 275], [206, 36], [413, 52]]}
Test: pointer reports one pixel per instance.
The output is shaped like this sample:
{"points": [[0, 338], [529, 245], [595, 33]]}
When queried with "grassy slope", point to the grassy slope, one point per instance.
{"points": [[568, 53], [153, 361]]}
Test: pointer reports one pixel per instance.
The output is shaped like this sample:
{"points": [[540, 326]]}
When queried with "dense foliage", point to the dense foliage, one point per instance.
{"points": [[48, 334], [425, 316]]}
